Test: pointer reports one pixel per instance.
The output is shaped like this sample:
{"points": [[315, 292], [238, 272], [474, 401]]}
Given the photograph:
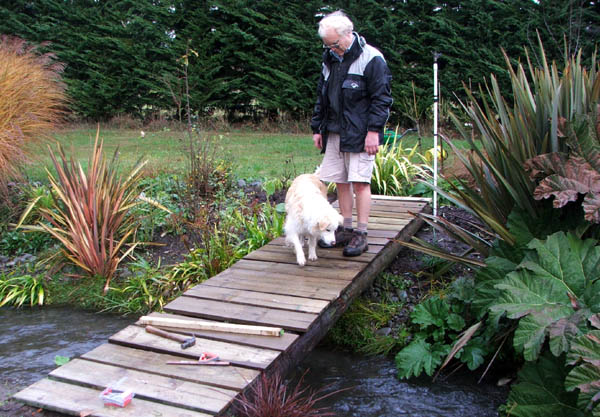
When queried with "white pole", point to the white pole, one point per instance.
{"points": [[435, 131]]}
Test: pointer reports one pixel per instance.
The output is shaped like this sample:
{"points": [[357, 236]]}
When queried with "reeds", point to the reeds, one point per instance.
{"points": [[31, 102]]}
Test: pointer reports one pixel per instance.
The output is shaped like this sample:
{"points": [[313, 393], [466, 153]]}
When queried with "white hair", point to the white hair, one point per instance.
{"points": [[337, 21]]}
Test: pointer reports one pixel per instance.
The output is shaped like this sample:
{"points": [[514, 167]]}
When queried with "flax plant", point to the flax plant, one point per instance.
{"points": [[91, 216], [512, 133], [397, 169], [31, 102]]}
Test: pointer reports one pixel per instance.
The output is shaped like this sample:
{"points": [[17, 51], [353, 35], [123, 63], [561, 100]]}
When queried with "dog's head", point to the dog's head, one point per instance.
{"points": [[328, 224]]}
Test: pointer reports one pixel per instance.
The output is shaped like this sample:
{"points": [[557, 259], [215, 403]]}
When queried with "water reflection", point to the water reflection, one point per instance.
{"points": [[377, 392], [30, 339]]}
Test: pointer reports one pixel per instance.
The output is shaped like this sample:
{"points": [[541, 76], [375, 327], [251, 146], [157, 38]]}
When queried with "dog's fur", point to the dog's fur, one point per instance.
{"points": [[310, 215]]}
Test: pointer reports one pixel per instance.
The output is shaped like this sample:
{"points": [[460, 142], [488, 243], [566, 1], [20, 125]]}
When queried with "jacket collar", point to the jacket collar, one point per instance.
{"points": [[355, 50]]}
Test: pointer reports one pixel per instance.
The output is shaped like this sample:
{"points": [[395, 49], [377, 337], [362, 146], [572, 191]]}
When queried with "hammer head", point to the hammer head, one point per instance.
{"points": [[188, 342]]}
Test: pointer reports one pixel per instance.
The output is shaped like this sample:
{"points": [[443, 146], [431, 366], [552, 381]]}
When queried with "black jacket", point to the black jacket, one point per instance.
{"points": [[365, 99]]}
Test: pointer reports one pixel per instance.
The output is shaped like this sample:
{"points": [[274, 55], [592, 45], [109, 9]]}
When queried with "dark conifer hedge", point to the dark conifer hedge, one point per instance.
{"points": [[261, 58]]}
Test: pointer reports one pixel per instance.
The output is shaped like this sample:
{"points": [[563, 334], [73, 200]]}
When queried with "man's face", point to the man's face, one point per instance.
{"points": [[335, 42]]}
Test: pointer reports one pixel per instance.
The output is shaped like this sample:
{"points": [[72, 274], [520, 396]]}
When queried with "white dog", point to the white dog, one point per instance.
{"points": [[309, 214]]}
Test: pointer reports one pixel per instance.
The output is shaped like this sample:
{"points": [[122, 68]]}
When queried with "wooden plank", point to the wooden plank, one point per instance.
{"points": [[278, 245], [280, 343], [137, 337], [156, 388], [307, 270], [289, 320], [402, 199], [329, 253], [228, 377], [241, 283], [282, 302], [216, 326], [290, 258], [73, 400], [397, 224], [280, 241], [272, 283]]}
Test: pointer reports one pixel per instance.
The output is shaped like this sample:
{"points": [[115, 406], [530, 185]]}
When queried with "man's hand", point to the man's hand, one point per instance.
{"points": [[372, 143], [318, 140]]}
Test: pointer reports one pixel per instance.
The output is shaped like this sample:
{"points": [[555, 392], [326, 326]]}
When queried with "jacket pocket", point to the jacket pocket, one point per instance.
{"points": [[354, 90]]}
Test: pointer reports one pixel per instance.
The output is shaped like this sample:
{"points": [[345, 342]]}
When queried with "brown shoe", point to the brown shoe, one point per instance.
{"points": [[358, 244], [342, 237]]}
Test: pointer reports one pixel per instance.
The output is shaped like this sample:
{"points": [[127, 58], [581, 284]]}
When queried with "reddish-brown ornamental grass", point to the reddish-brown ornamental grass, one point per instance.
{"points": [[32, 102], [270, 397]]}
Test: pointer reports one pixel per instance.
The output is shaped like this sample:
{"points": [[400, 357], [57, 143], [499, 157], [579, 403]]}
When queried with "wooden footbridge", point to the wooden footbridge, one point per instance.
{"points": [[265, 288]]}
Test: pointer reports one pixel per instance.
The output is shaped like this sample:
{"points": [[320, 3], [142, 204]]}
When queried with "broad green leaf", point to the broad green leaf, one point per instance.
{"points": [[431, 312], [419, 356], [523, 293], [473, 355], [532, 330], [567, 260], [455, 322], [563, 331], [585, 377], [540, 391], [585, 348]]}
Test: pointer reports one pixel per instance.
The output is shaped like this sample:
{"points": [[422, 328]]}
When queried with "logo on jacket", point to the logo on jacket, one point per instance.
{"points": [[354, 85]]}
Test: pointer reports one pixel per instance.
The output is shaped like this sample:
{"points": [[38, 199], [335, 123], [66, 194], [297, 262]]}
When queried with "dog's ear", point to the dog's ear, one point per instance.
{"points": [[323, 224]]}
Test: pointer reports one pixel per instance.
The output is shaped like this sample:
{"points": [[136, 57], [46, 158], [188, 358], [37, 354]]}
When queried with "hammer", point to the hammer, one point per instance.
{"points": [[186, 341]]}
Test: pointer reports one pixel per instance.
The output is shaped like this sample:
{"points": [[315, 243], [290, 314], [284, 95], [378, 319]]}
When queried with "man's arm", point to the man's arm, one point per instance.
{"points": [[378, 77]]}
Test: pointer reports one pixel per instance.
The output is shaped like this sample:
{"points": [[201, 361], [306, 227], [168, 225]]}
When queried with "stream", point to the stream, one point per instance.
{"points": [[31, 338]]}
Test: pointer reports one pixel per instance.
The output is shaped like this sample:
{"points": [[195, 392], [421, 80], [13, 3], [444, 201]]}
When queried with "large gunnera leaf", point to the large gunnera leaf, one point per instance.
{"points": [[565, 177], [540, 391], [585, 377], [420, 356], [557, 278]]}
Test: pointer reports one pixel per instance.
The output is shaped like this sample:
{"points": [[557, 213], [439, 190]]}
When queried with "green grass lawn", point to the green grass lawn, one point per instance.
{"points": [[254, 155]]}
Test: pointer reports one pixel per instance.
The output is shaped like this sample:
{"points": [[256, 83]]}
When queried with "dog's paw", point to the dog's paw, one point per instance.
{"points": [[301, 260], [312, 257]]}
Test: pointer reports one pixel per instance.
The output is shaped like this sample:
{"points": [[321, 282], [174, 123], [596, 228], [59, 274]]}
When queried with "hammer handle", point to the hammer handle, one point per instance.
{"points": [[167, 335]]}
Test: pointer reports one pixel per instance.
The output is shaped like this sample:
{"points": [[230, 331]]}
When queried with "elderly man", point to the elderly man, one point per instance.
{"points": [[353, 103]]}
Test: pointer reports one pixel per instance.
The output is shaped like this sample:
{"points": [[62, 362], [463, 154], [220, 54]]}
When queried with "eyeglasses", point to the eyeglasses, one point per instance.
{"points": [[335, 45]]}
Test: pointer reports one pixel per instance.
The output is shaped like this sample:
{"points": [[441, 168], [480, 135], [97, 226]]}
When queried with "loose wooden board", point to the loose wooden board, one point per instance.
{"points": [[171, 391], [137, 337], [228, 377], [289, 320], [282, 302], [280, 343], [73, 400]]}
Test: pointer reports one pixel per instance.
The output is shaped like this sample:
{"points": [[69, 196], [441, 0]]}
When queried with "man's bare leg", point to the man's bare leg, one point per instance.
{"points": [[346, 199], [363, 201]]}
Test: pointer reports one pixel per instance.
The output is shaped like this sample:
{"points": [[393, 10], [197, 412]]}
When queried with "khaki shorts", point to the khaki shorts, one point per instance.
{"points": [[344, 167]]}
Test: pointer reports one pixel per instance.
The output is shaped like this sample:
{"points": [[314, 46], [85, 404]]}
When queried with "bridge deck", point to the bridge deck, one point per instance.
{"points": [[265, 288]]}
